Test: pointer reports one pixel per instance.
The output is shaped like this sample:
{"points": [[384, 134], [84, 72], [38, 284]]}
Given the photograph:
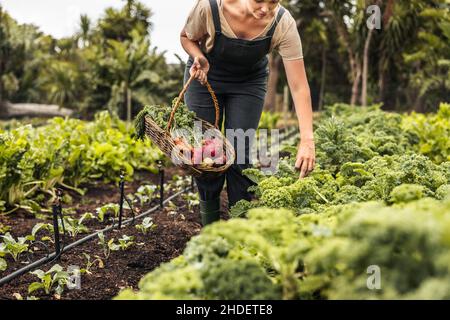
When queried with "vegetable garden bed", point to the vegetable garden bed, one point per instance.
{"points": [[122, 268], [379, 197]]}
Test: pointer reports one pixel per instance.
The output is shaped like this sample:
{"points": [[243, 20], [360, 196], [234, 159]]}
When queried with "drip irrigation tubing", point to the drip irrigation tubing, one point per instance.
{"points": [[53, 256]]}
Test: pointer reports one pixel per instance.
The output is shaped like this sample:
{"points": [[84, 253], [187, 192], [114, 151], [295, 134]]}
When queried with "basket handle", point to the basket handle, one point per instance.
{"points": [[180, 96]]}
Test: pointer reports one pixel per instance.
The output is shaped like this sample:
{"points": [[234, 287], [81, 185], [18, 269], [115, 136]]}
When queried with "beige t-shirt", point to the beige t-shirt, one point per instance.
{"points": [[200, 27]]}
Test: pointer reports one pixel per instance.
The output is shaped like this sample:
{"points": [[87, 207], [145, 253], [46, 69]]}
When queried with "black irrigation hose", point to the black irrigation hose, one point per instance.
{"points": [[53, 256]]}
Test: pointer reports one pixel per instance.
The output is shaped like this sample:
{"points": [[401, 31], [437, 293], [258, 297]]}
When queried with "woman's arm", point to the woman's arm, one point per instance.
{"points": [[298, 84], [200, 67]]}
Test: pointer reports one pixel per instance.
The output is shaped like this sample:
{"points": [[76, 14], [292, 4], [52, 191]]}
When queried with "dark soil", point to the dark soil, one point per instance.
{"points": [[176, 224]]}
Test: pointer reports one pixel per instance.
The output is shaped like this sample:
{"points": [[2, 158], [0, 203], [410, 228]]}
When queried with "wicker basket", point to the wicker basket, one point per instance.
{"points": [[163, 139]]}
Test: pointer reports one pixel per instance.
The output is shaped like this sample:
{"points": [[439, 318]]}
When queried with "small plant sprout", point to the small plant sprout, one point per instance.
{"points": [[42, 226], [124, 243], [15, 247], [179, 182], [145, 194], [3, 251], [76, 226], [90, 263], [146, 226], [53, 280], [3, 264], [4, 229], [108, 210], [171, 208], [192, 199], [86, 216], [17, 296], [106, 245]]}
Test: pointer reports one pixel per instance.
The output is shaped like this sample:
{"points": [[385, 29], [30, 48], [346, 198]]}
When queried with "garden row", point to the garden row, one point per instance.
{"points": [[109, 261], [372, 221], [85, 160], [66, 153]]}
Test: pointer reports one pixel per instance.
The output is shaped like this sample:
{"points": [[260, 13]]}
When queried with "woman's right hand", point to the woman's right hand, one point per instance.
{"points": [[200, 69]]}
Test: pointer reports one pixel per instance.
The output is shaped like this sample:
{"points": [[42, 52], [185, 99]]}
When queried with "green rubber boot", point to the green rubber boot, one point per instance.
{"points": [[210, 211]]}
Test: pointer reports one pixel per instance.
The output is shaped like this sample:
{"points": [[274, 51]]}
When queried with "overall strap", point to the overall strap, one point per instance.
{"points": [[277, 20], [215, 15]]}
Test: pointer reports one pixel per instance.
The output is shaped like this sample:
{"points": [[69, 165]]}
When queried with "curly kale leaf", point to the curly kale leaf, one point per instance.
{"points": [[235, 280]]}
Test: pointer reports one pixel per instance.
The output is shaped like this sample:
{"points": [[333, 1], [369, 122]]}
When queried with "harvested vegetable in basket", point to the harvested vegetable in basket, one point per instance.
{"points": [[160, 114], [209, 153], [198, 150]]}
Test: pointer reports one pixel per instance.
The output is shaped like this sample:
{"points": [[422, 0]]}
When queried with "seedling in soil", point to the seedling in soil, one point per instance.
{"points": [[178, 183], [2, 250], [171, 209], [42, 226], [4, 229], [3, 264], [124, 243], [15, 247], [145, 194], [72, 226], [192, 200], [146, 226], [54, 280], [76, 226], [171, 206], [90, 263], [106, 245], [18, 296], [110, 210]]}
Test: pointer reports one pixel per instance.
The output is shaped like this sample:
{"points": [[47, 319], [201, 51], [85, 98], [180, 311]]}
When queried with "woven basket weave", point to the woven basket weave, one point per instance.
{"points": [[163, 139]]}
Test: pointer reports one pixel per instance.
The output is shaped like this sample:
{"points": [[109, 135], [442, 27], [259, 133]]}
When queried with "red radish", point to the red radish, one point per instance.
{"points": [[209, 151]]}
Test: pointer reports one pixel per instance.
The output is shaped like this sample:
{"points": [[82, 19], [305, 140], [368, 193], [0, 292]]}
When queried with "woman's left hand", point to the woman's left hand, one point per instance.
{"points": [[306, 157]]}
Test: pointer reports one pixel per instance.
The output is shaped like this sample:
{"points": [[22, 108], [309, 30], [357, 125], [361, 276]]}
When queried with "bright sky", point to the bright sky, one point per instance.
{"points": [[61, 17]]}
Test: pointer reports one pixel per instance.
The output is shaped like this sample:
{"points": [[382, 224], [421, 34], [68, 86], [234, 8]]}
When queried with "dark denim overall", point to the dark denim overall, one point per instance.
{"points": [[238, 74]]}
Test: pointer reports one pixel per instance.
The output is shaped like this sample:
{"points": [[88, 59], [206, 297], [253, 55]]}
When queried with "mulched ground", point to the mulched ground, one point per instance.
{"points": [[121, 269]]}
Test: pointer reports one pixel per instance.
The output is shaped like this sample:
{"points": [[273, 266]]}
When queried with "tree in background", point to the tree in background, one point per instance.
{"points": [[8, 63], [429, 58], [132, 70], [4, 52], [403, 65], [109, 64], [117, 24]]}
